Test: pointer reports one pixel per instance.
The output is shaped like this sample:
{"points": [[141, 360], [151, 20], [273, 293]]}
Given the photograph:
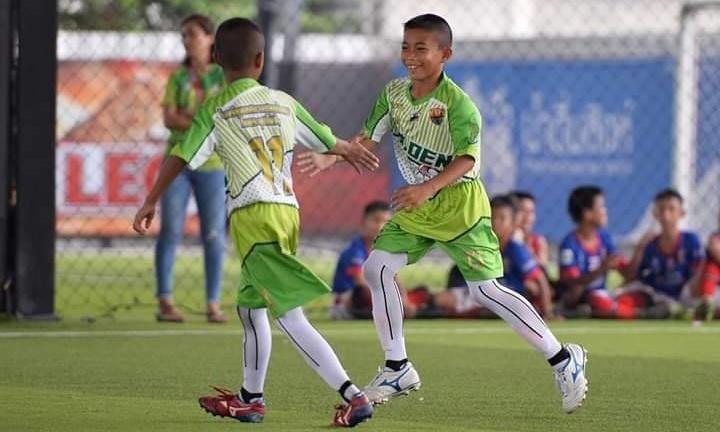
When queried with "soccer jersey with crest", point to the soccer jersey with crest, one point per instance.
{"points": [[253, 129], [428, 133]]}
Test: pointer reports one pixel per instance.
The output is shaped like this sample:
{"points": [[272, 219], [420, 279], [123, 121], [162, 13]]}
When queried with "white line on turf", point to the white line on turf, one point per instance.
{"points": [[346, 331]]}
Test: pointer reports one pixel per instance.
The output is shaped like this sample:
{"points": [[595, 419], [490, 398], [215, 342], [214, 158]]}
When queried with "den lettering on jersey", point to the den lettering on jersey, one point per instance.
{"points": [[421, 130], [416, 130]]}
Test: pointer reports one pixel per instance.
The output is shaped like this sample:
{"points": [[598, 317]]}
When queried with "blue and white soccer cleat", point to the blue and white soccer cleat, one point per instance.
{"points": [[389, 383], [571, 380]]}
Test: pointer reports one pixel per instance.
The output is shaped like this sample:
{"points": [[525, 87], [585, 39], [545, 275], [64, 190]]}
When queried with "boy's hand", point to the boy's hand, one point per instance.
{"points": [[356, 155], [313, 163], [612, 262], [410, 197], [144, 218]]}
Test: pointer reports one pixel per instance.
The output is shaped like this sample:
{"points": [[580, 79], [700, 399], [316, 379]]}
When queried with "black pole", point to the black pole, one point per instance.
{"points": [[286, 69], [267, 17], [34, 148], [6, 38]]}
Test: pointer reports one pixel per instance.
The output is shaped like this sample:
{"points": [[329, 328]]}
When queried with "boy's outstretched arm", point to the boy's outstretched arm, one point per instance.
{"points": [[170, 168], [313, 163], [355, 154], [411, 197]]}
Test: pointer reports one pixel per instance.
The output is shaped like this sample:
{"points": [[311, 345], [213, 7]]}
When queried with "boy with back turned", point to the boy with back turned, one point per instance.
{"points": [[253, 130]]}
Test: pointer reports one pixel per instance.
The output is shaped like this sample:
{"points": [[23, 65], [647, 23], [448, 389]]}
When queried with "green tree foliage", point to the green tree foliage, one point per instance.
{"points": [[318, 16], [138, 15]]}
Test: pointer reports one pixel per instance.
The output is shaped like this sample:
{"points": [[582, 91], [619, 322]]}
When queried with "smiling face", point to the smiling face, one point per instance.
{"points": [[422, 55]]}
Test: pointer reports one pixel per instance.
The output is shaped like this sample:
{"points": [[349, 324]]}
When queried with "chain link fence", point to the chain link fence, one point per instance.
{"points": [[622, 94]]}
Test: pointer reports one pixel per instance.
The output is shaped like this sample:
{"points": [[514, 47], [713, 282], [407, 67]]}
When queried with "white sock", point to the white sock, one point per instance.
{"points": [[257, 343], [379, 271], [518, 312], [314, 349]]}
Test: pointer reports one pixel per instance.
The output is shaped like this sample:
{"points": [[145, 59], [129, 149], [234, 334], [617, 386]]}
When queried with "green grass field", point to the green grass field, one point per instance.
{"points": [[135, 375]]}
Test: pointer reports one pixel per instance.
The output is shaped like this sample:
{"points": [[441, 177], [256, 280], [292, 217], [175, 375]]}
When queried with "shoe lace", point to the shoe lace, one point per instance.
{"points": [[224, 394], [341, 414]]}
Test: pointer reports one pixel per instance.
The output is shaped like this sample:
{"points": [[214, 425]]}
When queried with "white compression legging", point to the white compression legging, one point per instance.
{"points": [[380, 270], [313, 348]]}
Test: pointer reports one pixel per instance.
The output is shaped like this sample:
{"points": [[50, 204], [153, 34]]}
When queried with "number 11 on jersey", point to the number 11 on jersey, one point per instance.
{"points": [[270, 155]]}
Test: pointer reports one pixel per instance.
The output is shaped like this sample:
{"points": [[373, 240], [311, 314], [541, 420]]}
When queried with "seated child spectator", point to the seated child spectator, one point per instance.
{"points": [[709, 281], [351, 295], [669, 262], [526, 217], [521, 272], [587, 254]]}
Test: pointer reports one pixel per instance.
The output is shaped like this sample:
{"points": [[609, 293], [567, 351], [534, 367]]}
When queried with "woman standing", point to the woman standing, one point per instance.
{"points": [[196, 79]]}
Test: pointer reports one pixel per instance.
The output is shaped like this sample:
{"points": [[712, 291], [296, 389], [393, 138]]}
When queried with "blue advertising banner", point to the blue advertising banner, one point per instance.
{"points": [[705, 212], [551, 125]]}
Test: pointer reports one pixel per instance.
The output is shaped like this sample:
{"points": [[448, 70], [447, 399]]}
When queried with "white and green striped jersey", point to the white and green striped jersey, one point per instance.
{"points": [[254, 130], [429, 132]]}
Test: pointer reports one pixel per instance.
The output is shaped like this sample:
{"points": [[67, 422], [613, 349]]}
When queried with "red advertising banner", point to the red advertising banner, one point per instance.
{"points": [[110, 145]]}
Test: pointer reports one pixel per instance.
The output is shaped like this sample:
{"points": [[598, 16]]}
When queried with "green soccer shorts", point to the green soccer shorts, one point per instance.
{"points": [[476, 251], [266, 238]]}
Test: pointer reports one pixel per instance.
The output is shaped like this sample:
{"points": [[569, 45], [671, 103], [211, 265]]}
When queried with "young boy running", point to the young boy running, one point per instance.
{"points": [[436, 127], [253, 129]]}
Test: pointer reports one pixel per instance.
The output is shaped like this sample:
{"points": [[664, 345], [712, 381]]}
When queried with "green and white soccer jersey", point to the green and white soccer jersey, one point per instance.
{"points": [[428, 134], [254, 130]]}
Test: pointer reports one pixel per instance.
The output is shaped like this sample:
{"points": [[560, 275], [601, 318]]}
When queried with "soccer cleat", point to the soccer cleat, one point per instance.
{"points": [[389, 383], [349, 414], [228, 404], [571, 380]]}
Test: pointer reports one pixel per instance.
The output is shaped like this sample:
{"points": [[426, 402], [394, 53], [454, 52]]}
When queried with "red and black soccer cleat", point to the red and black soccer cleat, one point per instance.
{"points": [[358, 410], [228, 404]]}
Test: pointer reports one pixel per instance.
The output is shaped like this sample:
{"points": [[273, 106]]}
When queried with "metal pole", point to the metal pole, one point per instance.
{"points": [[286, 70], [686, 106], [34, 254], [267, 17], [6, 49]]}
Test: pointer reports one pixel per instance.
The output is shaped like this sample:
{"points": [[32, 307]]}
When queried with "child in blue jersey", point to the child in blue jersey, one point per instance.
{"points": [[351, 294], [521, 272], [671, 260], [587, 254]]}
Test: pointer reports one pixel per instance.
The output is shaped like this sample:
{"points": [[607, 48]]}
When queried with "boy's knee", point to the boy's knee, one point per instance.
{"points": [[381, 263], [372, 267]]}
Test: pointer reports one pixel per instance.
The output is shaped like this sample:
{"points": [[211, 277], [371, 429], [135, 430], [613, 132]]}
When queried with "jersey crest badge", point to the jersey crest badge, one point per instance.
{"points": [[437, 114]]}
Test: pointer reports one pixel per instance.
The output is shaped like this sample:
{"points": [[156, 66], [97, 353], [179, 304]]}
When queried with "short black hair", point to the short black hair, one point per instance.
{"points": [[523, 194], [435, 24], [237, 42], [582, 198], [504, 201], [668, 194], [376, 206]]}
